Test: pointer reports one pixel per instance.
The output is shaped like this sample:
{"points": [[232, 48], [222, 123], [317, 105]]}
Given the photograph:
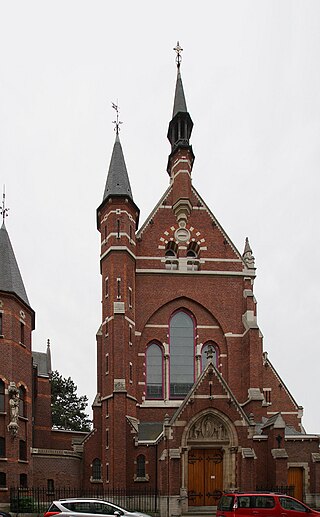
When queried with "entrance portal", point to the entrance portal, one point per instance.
{"points": [[205, 476]]}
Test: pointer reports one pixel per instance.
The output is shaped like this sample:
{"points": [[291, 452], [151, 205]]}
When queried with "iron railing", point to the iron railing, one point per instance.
{"points": [[38, 499]]}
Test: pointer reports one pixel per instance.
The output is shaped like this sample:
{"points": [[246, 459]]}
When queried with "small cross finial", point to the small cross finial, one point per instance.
{"points": [[178, 50], [117, 122], [3, 210]]}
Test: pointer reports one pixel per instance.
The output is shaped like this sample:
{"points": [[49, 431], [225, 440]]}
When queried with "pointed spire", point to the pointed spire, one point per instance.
{"points": [[181, 124], [179, 104], [10, 277], [117, 180], [49, 368], [247, 255]]}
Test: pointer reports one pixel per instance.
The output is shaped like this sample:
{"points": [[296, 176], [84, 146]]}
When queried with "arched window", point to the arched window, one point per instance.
{"points": [[3, 480], [22, 401], [1, 396], [154, 372], [22, 450], [23, 481], [2, 447], [193, 256], [141, 466], [171, 254], [204, 354], [181, 354], [96, 469]]}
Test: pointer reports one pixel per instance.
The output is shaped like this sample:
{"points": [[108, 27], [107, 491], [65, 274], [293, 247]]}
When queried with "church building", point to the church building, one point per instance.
{"points": [[188, 404]]}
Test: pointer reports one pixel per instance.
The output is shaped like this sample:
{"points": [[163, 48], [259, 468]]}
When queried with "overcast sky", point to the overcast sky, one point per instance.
{"points": [[252, 82]]}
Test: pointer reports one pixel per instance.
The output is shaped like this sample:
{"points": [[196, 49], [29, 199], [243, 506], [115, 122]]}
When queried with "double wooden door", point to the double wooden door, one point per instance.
{"points": [[205, 476]]}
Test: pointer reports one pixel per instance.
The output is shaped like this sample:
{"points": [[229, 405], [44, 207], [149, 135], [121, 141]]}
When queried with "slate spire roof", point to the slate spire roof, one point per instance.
{"points": [[179, 104], [117, 183], [10, 277]]}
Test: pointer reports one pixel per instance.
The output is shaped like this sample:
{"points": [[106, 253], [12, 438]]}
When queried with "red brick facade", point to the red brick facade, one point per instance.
{"points": [[226, 421]]}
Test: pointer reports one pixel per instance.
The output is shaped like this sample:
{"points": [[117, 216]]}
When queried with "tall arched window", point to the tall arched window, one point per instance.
{"points": [[204, 354], [96, 469], [2, 447], [22, 401], [154, 372], [181, 354], [141, 466], [3, 480], [1, 396]]}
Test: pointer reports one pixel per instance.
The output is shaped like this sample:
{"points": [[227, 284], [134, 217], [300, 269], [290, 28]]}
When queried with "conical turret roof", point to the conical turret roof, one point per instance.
{"points": [[10, 277], [117, 183]]}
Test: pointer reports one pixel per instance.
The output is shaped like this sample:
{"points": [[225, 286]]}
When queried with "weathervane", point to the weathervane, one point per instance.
{"points": [[178, 50], [117, 122], [3, 210]]}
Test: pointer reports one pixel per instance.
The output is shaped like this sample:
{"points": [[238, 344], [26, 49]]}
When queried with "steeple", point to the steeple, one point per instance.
{"points": [[180, 126], [10, 277], [117, 183]]}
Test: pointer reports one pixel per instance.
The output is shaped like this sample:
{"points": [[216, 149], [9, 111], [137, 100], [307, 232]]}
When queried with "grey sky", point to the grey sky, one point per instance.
{"points": [[252, 82]]}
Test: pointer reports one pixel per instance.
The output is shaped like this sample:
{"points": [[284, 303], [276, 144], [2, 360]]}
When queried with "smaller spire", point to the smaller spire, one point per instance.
{"points": [[49, 367], [247, 255], [180, 126]]}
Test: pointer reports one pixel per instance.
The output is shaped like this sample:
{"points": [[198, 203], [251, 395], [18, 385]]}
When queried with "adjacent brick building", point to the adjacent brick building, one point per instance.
{"points": [[187, 402]]}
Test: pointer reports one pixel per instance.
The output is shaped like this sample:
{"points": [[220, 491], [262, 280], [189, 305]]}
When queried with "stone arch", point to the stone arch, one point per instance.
{"points": [[211, 429]]}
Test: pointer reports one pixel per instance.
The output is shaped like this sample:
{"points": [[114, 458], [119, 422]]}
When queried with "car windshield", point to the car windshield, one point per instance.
{"points": [[226, 503]]}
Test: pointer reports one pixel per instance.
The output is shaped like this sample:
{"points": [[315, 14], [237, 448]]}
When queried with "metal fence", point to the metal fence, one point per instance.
{"points": [[38, 499], [279, 489]]}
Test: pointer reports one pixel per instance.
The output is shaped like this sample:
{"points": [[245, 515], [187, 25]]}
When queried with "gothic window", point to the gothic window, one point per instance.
{"points": [[22, 401], [118, 228], [96, 469], [23, 481], [1, 396], [22, 332], [3, 480], [141, 466], [154, 372], [1, 324], [50, 486], [118, 288], [130, 373], [181, 354], [204, 354], [22, 450], [2, 447], [106, 285]]}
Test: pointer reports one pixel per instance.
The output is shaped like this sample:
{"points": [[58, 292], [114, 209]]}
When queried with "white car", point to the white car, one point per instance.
{"points": [[88, 508]]}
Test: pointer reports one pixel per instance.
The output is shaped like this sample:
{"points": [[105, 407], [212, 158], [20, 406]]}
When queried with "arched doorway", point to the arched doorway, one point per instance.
{"points": [[211, 443]]}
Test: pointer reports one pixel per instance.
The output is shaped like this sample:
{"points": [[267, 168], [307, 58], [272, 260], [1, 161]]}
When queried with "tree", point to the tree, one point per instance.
{"points": [[68, 410]]}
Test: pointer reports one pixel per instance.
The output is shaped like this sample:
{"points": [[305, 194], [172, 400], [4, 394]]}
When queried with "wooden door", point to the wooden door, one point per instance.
{"points": [[295, 479], [205, 475]]}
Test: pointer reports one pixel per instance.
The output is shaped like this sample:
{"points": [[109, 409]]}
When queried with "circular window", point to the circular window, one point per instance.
{"points": [[182, 235]]}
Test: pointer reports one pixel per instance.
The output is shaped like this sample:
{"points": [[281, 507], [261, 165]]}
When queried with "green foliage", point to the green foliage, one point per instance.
{"points": [[68, 410]]}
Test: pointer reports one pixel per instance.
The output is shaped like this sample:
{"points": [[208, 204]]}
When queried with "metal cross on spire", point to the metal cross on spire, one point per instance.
{"points": [[117, 122], [3, 210], [178, 50]]}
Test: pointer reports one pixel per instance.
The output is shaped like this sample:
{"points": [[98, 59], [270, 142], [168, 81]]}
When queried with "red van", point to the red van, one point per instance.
{"points": [[261, 504]]}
